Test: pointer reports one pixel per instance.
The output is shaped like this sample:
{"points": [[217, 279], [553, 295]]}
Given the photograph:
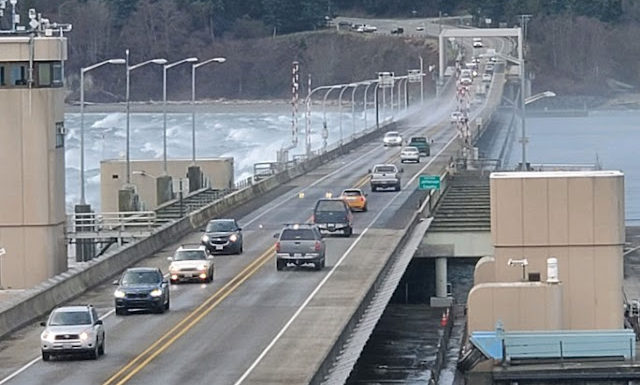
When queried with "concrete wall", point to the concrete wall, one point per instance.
{"points": [[462, 244], [113, 176], [576, 217], [518, 305], [485, 271], [32, 197]]}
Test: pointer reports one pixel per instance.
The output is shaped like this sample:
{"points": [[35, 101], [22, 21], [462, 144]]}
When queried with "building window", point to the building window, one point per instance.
{"points": [[56, 72], [2, 75], [60, 134], [18, 76], [44, 74]]}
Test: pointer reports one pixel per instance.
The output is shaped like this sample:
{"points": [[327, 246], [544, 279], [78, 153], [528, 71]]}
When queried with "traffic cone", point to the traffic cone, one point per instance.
{"points": [[443, 320]]}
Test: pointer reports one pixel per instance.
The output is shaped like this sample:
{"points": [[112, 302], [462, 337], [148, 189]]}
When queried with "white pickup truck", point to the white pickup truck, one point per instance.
{"points": [[385, 176]]}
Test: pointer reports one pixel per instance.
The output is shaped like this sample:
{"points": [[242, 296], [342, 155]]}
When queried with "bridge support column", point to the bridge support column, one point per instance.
{"points": [[441, 299], [128, 199], [85, 248], [164, 189], [195, 178]]}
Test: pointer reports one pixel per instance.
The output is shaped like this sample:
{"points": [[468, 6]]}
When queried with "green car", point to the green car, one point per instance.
{"points": [[422, 144]]}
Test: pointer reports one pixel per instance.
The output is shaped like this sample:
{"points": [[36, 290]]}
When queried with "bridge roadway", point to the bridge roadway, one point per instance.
{"points": [[214, 332]]}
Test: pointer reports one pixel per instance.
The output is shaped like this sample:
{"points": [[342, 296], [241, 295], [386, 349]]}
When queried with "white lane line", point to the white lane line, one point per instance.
{"points": [[35, 360], [326, 278]]}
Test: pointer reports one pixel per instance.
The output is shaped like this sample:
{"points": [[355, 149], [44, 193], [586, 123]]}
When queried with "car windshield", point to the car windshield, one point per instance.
{"points": [[418, 140], [220, 226], [61, 318], [351, 193], [410, 149], [189, 255], [330, 206], [296, 234], [385, 169], [140, 277], [391, 134]]}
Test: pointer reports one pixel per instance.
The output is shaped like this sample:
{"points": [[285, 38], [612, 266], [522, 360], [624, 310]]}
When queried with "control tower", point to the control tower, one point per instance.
{"points": [[32, 140]]}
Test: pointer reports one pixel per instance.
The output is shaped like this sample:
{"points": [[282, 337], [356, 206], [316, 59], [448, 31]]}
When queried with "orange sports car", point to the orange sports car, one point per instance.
{"points": [[356, 199]]}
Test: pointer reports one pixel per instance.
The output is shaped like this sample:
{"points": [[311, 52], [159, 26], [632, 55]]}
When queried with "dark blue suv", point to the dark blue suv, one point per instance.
{"points": [[141, 288]]}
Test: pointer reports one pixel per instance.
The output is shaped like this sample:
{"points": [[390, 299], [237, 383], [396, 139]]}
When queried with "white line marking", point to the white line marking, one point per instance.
{"points": [[326, 278], [35, 360]]}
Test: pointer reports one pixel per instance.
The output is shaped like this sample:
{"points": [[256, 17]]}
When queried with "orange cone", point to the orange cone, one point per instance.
{"points": [[443, 320]]}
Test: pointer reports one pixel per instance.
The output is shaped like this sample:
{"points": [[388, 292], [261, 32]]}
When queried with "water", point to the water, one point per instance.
{"points": [[250, 134], [612, 137]]}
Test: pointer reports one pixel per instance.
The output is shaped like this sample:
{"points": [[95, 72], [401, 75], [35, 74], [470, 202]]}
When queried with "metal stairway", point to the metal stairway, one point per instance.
{"points": [[465, 205]]}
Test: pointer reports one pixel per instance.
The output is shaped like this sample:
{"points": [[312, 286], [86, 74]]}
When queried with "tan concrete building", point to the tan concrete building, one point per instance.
{"points": [[32, 168], [218, 171], [576, 217]]}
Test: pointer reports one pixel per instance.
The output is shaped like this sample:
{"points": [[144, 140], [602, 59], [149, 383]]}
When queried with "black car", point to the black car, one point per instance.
{"points": [[142, 288], [223, 236], [333, 215]]}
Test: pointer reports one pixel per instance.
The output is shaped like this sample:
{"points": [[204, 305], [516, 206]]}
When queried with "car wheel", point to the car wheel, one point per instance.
{"points": [[317, 266], [398, 187], [95, 352], [402, 161], [46, 356], [168, 304], [101, 348], [364, 208], [210, 278], [280, 264], [374, 188], [348, 232], [240, 250], [121, 311]]}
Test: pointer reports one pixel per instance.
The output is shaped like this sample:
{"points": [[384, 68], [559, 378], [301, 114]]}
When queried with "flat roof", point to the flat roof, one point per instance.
{"points": [[555, 174]]}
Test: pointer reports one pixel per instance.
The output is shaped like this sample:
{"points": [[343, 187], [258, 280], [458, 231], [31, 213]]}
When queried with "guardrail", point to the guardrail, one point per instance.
{"points": [[123, 221]]}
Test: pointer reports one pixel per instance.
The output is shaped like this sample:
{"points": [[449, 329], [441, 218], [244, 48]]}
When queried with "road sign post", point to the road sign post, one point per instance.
{"points": [[429, 182]]}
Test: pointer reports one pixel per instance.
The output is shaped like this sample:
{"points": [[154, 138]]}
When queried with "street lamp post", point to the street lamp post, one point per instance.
{"points": [[353, 109], [366, 89], [421, 80], [165, 67], [344, 88], [128, 82], [82, 72], [193, 101]]}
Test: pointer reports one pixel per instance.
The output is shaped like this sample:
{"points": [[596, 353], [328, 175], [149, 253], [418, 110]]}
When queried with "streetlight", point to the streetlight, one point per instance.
{"points": [[82, 72], [542, 95], [165, 67], [366, 89], [129, 69], [193, 101], [345, 87]]}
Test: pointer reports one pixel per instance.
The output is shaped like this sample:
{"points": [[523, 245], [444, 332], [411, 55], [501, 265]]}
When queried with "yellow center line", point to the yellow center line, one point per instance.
{"points": [[233, 283]]}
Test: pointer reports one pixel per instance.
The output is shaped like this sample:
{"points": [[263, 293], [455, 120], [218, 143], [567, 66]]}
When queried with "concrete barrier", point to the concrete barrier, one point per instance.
{"points": [[40, 300]]}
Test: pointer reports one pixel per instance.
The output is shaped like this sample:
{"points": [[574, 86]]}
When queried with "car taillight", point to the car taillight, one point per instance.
{"points": [[318, 246], [361, 199], [278, 247]]}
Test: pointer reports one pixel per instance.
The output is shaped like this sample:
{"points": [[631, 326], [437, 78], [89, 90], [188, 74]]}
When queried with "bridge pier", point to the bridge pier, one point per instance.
{"points": [[441, 299]]}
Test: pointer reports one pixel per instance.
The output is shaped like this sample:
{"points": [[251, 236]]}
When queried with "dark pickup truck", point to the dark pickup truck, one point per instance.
{"points": [[333, 215], [422, 144]]}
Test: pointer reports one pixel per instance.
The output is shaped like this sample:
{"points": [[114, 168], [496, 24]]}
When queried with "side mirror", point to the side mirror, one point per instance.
{"points": [[99, 322], [369, 171], [401, 170], [165, 282], [365, 194], [43, 323], [202, 230], [169, 258], [239, 228], [209, 256], [276, 235], [115, 283]]}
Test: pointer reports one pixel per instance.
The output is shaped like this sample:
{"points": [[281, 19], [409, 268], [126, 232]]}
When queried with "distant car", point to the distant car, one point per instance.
{"points": [[477, 42], [420, 28], [489, 67], [141, 288], [369, 28], [72, 330], [190, 263], [455, 116], [392, 138], [300, 244], [486, 77], [410, 154], [223, 236], [385, 176], [356, 199], [421, 143], [476, 100], [397, 31], [466, 81], [333, 215]]}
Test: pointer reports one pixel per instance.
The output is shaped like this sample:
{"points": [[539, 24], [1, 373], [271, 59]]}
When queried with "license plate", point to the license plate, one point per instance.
{"points": [[66, 346], [219, 247], [331, 225], [297, 255]]}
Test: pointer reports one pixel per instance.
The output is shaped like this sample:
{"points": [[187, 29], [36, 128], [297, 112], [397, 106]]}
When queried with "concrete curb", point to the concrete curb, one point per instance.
{"points": [[40, 300]]}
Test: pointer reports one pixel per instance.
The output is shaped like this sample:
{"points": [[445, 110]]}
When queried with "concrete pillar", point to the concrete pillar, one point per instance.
{"points": [[85, 248], [164, 189], [441, 299], [128, 199], [195, 178]]}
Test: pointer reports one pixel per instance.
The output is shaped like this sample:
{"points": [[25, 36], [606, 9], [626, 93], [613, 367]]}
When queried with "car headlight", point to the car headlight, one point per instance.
{"points": [[119, 293], [233, 238], [172, 267], [84, 336], [156, 293], [205, 238], [48, 336], [202, 266]]}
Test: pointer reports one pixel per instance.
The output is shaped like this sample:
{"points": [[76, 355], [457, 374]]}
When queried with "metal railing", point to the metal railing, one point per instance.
{"points": [[111, 224]]}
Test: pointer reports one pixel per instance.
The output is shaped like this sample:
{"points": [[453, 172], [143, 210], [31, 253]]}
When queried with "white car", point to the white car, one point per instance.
{"points": [[369, 28], [456, 116], [72, 330], [410, 154], [465, 81], [420, 28], [392, 138], [486, 78], [191, 263]]}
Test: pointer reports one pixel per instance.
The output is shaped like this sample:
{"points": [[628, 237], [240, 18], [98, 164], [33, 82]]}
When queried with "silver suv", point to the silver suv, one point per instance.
{"points": [[300, 244], [385, 176], [72, 330]]}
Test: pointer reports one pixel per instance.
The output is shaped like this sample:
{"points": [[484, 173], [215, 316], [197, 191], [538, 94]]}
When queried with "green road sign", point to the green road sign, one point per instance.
{"points": [[429, 182]]}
